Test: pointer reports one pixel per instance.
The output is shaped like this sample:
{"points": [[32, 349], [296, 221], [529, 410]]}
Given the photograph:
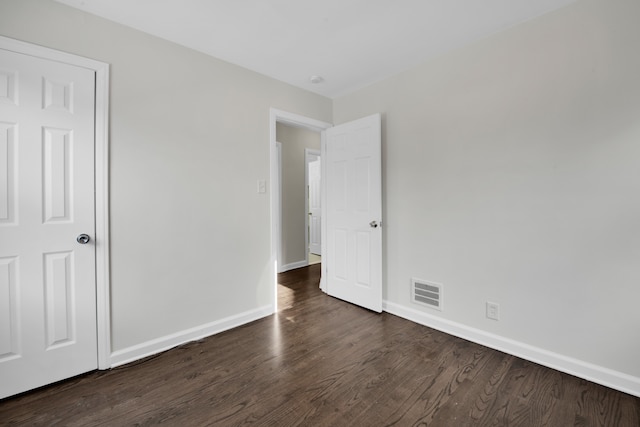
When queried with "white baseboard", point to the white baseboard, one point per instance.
{"points": [[293, 266], [597, 374], [158, 345]]}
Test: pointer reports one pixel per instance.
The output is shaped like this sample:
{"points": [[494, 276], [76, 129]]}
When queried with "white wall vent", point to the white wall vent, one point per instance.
{"points": [[426, 293]]}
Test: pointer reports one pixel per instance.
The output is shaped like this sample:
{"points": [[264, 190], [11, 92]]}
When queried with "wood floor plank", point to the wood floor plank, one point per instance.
{"points": [[323, 362]]}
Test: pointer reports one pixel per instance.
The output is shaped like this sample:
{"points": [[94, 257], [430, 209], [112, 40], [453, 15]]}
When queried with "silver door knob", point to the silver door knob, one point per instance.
{"points": [[83, 239], [373, 224]]}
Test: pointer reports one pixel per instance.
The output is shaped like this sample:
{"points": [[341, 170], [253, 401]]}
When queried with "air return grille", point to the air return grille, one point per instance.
{"points": [[426, 293]]}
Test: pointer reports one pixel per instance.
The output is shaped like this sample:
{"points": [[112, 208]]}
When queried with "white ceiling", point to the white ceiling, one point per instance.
{"points": [[350, 43]]}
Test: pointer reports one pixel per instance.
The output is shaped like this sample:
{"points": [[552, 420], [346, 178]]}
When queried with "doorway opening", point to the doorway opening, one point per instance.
{"points": [[277, 179], [300, 204]]}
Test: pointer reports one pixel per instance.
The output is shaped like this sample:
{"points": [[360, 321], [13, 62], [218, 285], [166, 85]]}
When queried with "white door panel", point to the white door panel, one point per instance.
{"points": [[315, 215], [353, 177], [47, 279]]}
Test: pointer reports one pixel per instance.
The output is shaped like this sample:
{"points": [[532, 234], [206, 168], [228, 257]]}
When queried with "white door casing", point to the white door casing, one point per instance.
{"points": [[52, 117], [352, 177], [315, 210], [276, 193]]}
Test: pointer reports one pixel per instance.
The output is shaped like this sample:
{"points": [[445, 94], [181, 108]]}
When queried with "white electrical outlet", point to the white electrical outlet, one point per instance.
{"points": [[493, 310]]}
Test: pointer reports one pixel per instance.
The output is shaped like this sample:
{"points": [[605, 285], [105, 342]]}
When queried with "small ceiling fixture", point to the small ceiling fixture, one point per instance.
{"points": [[316, 79]]}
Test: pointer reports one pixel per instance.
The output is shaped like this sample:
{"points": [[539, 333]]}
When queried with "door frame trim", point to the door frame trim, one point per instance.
{"points": [[101, 159], [296, 120], [277, 194]]}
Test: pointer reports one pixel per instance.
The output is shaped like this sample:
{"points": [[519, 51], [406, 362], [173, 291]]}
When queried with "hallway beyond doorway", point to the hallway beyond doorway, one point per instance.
{"points": [[314, 259]]}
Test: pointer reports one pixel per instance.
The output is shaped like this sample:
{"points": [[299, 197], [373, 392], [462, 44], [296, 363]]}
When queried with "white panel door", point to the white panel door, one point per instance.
{"points": [[315, 211], [47, 278], [353, 175]]}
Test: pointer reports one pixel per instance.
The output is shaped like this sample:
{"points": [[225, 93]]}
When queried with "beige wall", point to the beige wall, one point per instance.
{"points": [[189, 139], [512, 174], [294, 142]]}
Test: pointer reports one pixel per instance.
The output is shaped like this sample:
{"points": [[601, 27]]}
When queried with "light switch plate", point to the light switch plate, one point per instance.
{"points": [[262, 186]]}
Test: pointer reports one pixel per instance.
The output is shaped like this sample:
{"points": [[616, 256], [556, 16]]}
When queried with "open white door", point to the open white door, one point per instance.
{"points": [[353, 178], [47, 277], [315, 215]]}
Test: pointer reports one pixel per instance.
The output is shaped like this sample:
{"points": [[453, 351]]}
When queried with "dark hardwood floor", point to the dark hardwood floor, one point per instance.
{"points": [[323, 362]]}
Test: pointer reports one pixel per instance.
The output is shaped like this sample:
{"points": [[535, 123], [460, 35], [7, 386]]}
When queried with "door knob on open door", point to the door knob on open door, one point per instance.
{"points": [[373, 224], [83, 239]]}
